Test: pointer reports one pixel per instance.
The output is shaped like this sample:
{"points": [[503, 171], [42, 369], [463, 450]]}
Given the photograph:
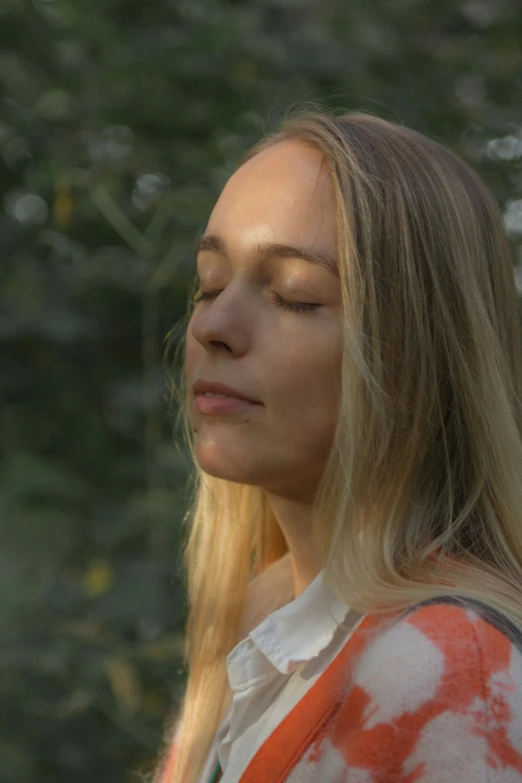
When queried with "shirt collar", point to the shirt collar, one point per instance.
{"points": [[295, 633], [302, 629]]}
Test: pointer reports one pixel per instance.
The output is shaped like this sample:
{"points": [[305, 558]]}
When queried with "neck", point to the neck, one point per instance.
{"points": [[294, 519]]}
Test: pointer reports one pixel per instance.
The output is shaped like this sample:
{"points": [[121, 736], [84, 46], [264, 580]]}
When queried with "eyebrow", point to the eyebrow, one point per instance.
{"points": [[266, 252]]}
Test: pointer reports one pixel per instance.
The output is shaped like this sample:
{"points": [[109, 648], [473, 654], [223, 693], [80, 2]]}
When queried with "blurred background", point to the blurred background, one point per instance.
{"points": [[120, 121]]}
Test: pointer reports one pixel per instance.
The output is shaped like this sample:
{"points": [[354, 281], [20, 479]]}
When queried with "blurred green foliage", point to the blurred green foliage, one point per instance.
{"points": [[119, 123]]}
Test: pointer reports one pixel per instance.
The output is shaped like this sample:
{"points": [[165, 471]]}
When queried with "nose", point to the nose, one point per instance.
{"points": [[221, 325]]}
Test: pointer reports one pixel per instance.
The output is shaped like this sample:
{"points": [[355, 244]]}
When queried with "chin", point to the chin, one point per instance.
{"points": [[237, 477], [225, 467]]}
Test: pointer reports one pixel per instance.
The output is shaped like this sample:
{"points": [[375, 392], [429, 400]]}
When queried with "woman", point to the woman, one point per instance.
{"points": [[355, 554]]}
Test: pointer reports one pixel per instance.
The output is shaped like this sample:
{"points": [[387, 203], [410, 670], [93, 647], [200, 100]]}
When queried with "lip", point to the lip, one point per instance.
{"points": [[214, 387], [220, 406]]}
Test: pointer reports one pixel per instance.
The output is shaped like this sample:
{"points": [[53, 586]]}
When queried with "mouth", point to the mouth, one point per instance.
{"points": [[219, 405], [217, 390]]}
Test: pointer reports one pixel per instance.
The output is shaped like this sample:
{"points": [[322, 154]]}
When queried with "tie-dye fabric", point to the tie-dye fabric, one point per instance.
{"points": [[434, 696]]}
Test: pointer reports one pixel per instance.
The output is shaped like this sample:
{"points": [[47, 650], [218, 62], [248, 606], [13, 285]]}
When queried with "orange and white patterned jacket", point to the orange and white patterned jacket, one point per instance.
{"points": [[430, 696]]}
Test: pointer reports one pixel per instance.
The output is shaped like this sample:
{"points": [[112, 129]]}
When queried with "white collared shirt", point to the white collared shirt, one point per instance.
{"points": [[276, 664]]}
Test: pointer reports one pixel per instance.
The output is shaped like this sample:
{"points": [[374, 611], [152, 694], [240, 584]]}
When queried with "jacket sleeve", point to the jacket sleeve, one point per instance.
{"points": [[434, 698]]}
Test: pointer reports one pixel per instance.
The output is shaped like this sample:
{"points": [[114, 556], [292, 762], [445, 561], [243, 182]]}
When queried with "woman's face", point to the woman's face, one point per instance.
{"points": [[242, 337]]}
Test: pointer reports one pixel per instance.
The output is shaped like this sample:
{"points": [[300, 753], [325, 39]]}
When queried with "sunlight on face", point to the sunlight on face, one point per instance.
{"points": [[243, 334]]}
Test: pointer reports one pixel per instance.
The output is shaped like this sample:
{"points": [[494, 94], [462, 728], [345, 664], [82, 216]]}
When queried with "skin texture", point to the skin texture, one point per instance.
{"points": [[290, 361]]}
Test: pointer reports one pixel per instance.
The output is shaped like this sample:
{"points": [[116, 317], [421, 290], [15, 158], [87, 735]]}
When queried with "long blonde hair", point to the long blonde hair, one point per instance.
{"points": [[421, 495]]}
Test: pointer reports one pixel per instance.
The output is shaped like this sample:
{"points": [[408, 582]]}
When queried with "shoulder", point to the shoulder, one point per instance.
{"points": [[438, 687], [439, 650]]}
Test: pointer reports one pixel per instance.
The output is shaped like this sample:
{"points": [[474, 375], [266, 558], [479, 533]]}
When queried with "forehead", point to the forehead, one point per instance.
{"points": [[284, 194]]}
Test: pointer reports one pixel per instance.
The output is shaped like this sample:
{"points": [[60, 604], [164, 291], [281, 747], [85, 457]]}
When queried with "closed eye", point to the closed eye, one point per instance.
{"points": [[284, 304]]}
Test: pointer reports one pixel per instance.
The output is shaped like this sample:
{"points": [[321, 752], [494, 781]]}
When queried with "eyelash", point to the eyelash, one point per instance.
{"points": [[294, 307]]}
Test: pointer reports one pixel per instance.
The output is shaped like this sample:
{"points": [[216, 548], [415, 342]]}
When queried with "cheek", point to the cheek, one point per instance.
{"points": [[311, 375]]}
